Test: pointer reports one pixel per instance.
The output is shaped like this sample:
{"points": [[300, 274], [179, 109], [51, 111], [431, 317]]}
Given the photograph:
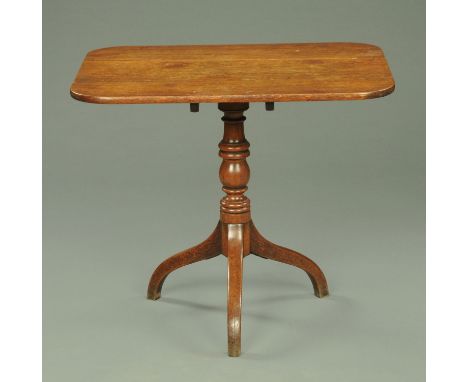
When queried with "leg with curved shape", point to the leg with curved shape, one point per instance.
{"points": [[209, 248], [262, 247], [234, 249]]}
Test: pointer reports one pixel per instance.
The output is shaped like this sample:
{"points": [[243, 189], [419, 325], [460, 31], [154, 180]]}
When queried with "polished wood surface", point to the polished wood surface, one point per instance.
{"points": [[233, 76], [235, 247], [233, 73], [207, 249], [235, 235], [234, 172], [262, 247]]}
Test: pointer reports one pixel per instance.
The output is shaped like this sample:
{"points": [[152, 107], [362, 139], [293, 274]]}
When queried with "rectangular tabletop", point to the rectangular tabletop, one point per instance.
{"points": [[233, 73]]}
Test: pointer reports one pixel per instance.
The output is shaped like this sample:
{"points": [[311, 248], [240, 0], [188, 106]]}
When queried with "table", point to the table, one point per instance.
{"points": [[234, 76]]}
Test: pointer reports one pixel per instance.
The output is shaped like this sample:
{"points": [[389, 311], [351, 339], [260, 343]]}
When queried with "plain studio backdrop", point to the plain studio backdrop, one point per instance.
{"points": [[126, 186]]}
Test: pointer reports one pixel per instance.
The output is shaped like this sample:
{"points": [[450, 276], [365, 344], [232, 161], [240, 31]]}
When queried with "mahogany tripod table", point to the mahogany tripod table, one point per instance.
{"points": [[233, 76]]}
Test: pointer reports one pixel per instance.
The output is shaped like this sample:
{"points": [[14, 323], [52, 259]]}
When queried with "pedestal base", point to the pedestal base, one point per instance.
{"points": [[235, 241], [235, 236]]}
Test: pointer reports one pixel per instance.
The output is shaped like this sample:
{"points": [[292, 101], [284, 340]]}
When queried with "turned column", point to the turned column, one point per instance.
{"points": [[234, 171]]}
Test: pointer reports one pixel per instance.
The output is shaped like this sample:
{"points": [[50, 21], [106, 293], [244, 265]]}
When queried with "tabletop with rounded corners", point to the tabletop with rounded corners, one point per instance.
{"points": [[233, 73]]}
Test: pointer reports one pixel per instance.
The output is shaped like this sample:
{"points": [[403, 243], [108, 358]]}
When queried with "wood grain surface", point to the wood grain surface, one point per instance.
{"points": [[233, 73]]}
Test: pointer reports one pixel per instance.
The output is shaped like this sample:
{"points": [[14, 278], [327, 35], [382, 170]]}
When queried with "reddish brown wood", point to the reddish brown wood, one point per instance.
{"points": [[233, 76], [233, 73], [233, 242], [262, 247], [234, 172], [209, 248], [235, 236]]}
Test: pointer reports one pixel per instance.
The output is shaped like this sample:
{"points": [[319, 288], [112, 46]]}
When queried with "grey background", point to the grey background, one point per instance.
{"points": [[127, 186]]}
